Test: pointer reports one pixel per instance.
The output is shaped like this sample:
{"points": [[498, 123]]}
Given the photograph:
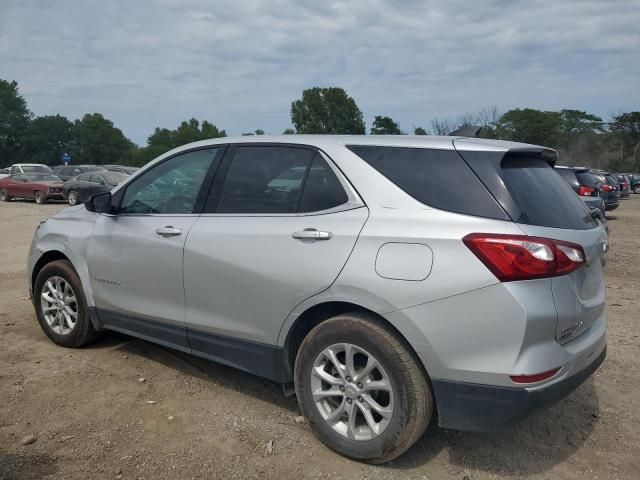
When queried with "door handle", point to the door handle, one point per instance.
{"points": [[168, 231], [312, 234]]}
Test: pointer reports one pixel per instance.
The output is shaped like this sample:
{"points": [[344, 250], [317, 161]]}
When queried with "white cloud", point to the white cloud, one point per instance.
{"points": [[241, 63]]}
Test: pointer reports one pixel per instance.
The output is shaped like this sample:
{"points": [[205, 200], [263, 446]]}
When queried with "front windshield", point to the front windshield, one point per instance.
{"points": [[36, 169], [33, 177]]}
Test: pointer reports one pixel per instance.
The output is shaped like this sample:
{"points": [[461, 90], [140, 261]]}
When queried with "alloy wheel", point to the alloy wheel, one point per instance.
{"points": [[73, 198], [352, 391], [59, 305]]}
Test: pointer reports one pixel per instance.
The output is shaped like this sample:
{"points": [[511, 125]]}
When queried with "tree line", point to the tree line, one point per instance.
{"points": [[581, 138]]}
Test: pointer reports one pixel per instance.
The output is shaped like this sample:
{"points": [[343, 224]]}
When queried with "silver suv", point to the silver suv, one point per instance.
{"points": [[384, 280]]}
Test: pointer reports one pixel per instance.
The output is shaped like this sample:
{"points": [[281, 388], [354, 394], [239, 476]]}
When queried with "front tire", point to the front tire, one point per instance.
{"points": [[636, 189], [72, 198], [61, 306], [4, 196], [40, 197], [361, 388]]}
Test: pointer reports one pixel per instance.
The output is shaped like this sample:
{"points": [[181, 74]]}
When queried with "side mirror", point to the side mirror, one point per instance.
{"points": [[100, 203]]}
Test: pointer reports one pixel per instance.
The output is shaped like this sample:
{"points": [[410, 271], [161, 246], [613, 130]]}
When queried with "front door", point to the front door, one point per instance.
{"points": [[135, 255], [276, 231]]}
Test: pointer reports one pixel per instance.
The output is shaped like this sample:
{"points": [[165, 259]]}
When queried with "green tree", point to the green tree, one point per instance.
{"points": [[97, 141], [14, 120], [384, 126], [530, 126], [259, 132], [577, 121], [162, 139], [420, 131], [326, 110], [625, 141], [47, 138], [289, 131]]}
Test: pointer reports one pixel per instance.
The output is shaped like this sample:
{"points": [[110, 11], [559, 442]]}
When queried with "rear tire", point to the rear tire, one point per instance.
{"points": [[70, 299], [40, 197], [72, 198], [4, 196], [399, 417], [636, 188]]}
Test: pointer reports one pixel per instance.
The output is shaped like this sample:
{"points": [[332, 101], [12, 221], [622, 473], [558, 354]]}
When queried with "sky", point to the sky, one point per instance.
{"points": [[240, 63]]}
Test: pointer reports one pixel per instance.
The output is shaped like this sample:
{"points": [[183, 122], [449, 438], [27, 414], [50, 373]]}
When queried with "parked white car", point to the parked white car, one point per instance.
{"points": [[18, 168]]}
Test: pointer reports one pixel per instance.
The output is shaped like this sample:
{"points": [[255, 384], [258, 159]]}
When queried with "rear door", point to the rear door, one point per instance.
{"points": [[277, 229]]}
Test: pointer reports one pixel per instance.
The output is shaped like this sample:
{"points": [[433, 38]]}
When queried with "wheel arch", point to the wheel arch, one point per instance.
{"points": [[320, 312], [45, 258]]}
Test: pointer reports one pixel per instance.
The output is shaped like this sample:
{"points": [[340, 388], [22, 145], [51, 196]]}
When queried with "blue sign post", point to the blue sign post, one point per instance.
{"points": [[66, 158]]}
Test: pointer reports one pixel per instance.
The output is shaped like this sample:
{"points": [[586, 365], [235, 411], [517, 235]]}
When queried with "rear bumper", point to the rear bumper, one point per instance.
{"points": [[467, 406]]}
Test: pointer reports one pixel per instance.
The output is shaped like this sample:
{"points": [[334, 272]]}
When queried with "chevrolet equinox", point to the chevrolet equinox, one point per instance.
{"points": [[387, 281]]}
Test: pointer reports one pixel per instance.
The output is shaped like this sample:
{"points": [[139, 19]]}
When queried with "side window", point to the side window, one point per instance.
{"points": [[97, 179], [322, 190], [84, 178], [15, 170], [170, 187], [75, 171], [19, 177], [264, 179]]}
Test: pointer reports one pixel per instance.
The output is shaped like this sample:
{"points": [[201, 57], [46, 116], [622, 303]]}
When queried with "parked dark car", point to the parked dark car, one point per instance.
{"points": [[623, 184], [84, 186], [634, 182], [588, 184], [66, 172], [120, 168], [39, 186]]}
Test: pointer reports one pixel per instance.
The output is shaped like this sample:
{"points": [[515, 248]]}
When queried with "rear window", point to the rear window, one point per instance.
{"points": [[587, 179], [545, 199], [437, 178]]}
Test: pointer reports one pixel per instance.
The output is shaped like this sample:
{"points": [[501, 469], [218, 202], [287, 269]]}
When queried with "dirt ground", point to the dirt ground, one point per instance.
{"points": [[94, 417]]}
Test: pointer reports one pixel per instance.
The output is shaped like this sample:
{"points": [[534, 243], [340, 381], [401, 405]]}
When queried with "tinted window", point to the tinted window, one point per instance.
{"points": [[545, 199], [113, 178], [588, 179], [85, 177], [95, 178], [171, 186], [438, 178], [322, 190], [264, 180]]}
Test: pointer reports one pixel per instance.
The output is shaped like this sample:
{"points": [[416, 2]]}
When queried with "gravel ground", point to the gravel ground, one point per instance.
{"points": [[124, 408]]}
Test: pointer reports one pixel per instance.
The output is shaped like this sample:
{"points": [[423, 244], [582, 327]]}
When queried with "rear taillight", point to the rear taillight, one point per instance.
{"points": [[606, 188], [586, 191], [520, 257]]}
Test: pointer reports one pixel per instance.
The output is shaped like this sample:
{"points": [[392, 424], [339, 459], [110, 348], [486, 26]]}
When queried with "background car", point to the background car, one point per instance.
{"points": [[120, 168], [30, 168], [4, 172], [84, 186], [66, 172], [623, 184], [588, 184], [634, 181], [39, 186]]}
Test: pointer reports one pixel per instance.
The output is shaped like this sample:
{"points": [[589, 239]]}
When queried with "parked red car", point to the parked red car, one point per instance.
{"points": [[39, 186]]}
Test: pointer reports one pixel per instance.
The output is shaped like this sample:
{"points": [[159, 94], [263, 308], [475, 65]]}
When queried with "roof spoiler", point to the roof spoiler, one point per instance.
{"points": [[466, 131]]}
